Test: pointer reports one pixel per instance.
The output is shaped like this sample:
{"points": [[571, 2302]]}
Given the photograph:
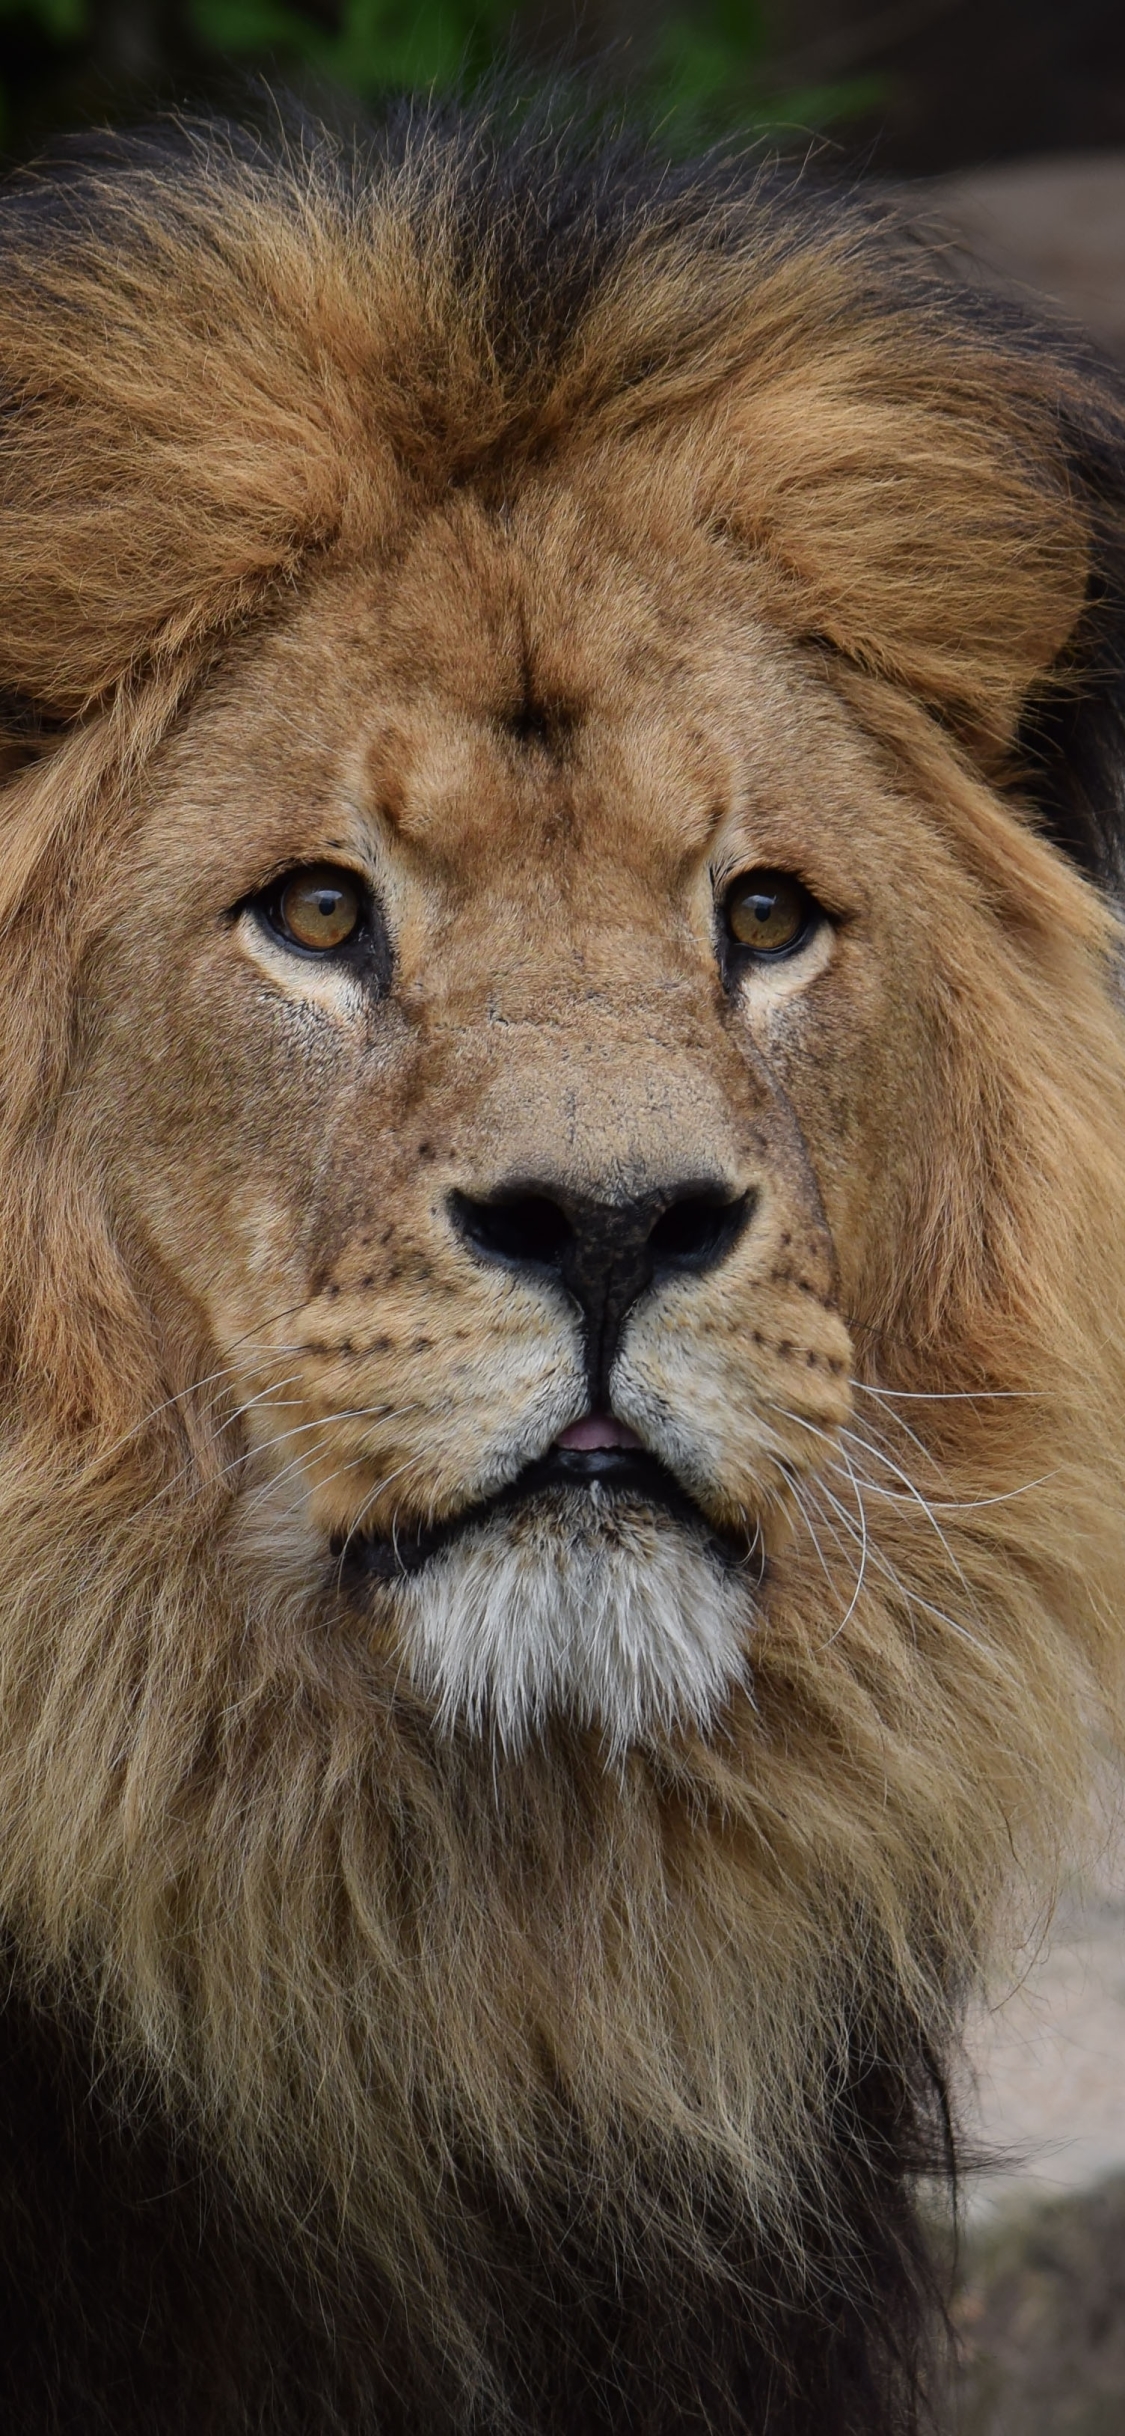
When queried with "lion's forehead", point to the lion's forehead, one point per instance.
{"points": [[582, 593], [492, 697]]}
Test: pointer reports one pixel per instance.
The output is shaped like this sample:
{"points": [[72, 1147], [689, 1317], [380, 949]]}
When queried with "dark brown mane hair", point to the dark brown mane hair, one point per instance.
{"points": [[459, 294]]}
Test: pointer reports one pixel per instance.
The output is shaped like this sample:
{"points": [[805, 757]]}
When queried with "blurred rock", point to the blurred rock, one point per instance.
{"points": [[1039, 2306], [1055, 225], [1040, 2321], [1046, 2099]]}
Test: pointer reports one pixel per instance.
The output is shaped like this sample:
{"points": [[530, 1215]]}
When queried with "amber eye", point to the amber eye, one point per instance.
{"points": [[769, 912], [319, 908]]}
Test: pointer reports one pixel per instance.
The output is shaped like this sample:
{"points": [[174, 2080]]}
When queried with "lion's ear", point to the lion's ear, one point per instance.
{"points": [[1073, 751], [943, 503], [182, 371], [908, 523], [1072, 735]]}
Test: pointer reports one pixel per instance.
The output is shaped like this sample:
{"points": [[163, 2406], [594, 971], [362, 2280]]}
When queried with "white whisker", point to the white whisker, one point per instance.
{"points": [[798, 1488], [369, 1500], [371, 1412], [185, 1470], [953, 1395], [912, 1493], [937, 1505], [861, 1572]]}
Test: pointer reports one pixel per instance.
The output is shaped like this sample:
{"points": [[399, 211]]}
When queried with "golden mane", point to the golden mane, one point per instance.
{"points": [[374, 1970]]}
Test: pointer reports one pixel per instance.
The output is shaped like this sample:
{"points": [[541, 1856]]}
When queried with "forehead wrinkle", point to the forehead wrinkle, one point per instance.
{"points": [[655, 745], [481, 604], [627, 796]]}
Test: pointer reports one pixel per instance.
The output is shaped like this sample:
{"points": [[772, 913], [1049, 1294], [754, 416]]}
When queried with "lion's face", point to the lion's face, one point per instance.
{"points": [[538, 1141]]}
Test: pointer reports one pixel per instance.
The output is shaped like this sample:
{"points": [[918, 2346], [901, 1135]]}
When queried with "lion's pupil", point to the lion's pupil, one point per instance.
{"points": [[768, 913], [321, 910]]}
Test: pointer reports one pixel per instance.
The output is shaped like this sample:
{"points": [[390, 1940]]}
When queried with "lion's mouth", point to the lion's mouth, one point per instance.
{"points": [[612, 1475]]}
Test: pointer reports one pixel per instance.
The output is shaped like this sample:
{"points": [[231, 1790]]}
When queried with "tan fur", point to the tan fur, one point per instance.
{"points": [[285, 546]]}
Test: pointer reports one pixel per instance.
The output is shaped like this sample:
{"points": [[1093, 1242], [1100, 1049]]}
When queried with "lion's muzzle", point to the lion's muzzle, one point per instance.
{"points": [[605, 1252]]}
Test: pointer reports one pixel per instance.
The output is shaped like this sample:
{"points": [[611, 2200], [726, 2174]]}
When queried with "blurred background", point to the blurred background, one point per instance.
{"points": [[913, 87], [1002, 123]]}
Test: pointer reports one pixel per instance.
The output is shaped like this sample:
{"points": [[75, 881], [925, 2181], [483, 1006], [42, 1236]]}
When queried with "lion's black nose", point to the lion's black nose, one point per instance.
{"points": [[604, 1252]]}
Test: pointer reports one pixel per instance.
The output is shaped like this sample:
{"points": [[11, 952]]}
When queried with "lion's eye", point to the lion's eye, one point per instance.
{"points": [[769, 912], [318, 909]]}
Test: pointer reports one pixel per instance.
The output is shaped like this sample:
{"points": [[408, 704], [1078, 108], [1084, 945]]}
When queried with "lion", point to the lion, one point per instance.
{"points": [[563, 1165]]}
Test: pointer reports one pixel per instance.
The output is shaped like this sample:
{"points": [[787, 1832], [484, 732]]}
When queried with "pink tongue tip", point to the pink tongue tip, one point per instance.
{"points": [[594, 1430]]}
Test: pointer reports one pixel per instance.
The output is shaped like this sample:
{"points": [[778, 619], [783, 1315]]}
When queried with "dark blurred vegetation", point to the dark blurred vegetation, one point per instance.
{"points": [[904, 85], [699, 75]]}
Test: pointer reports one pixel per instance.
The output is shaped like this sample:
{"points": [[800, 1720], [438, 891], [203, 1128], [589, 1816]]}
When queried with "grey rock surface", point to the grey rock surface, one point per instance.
{"points": [[1054, 227], [1040, 2322], [1039, 2309], [1047, 2060]]}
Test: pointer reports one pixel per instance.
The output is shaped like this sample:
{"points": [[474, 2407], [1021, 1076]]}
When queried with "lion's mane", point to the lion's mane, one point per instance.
{"points": [[542, 2053]]}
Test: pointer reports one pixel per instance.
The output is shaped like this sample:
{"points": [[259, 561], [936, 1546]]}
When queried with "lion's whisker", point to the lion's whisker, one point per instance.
{"points": [[912, 1598], [952, 1395], [285, 1514], [939, 1505], [410, 1465], [896, 1420], [855, 1528], [186, 1469], [372, 1412], [226, 1370], [913, 1493], [226, 1470], [871, 1552], [798, 1488], [861, 1572], [813, 1490]]}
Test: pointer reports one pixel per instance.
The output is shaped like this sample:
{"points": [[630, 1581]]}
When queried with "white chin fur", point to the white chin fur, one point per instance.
{"points": [[580, 1607]]}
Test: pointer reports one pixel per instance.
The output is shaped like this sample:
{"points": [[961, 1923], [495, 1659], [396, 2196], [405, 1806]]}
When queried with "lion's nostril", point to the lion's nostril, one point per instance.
{"points": [[604, 1253], [528, 1229], [697, 1230]]}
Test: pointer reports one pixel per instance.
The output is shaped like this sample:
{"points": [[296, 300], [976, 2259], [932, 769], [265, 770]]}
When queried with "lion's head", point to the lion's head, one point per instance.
{"points": [[563, 1160]]}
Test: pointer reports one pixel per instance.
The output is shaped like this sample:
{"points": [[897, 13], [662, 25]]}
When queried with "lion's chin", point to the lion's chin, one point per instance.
{"points": [[594, 1603]]}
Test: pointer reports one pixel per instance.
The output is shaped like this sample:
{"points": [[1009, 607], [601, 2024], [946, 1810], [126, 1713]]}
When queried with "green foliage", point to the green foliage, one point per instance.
{"points": [[61, 20], [375, 46], [711, 76], [66, 61]]}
